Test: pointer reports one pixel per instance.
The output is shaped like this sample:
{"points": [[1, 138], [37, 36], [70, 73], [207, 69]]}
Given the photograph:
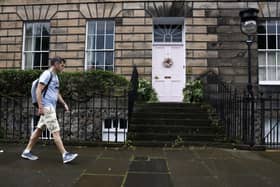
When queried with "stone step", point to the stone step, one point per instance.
{"points": [[171, 114], [164, 122], [191, 129], [173, 136], [154, 143], [169, 109], [170, 122]]}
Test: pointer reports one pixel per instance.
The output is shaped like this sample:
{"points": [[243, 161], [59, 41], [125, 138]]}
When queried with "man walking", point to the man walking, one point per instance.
{"points": [[47, 110]]}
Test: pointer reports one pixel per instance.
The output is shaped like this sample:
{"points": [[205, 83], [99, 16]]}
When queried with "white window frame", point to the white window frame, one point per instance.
{"points": [[277, 50], [100, 50], [23, 46]]}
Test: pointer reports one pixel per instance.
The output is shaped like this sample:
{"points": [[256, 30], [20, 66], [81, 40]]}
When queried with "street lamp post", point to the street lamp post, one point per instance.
{"points": [[248, 26]]}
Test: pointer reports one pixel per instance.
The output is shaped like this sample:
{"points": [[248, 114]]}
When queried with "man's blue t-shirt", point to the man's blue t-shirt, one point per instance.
{"points": [[50, 98]]}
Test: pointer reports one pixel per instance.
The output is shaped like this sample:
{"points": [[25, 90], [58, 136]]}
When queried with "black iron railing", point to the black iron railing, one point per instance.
{"points": [[99, 118], [249, 119]]}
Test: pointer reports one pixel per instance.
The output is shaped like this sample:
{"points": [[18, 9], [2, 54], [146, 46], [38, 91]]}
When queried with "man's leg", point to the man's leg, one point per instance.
{"points": [[67, 157], [58, 142], [33, 139]]}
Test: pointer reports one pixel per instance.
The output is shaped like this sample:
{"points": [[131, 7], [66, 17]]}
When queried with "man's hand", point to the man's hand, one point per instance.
{"points": [[66, 107], [40, 110]]}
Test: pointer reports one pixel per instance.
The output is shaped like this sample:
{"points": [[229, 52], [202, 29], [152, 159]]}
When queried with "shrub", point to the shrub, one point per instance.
{"points": [[193, 92], [18, 82], [145, 91]]}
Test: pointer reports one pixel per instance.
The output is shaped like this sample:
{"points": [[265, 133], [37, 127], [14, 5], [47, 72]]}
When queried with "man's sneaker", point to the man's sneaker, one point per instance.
{"points": [[68, 157], [29, 156]]}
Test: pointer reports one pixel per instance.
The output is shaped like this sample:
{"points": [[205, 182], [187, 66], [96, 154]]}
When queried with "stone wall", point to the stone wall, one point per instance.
{"points": [[213, 37]]}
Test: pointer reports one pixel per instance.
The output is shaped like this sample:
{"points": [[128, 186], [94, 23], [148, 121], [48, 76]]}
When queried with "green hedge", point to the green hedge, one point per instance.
{"points": [[18, 82]]}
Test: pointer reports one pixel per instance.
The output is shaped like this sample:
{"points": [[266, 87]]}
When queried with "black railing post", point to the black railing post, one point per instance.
{"points": [[245, 118], [252, 99], [262, 113], [132, 93]]}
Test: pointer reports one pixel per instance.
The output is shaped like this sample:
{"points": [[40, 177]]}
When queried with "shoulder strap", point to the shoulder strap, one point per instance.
{"points": [[46, 87]]}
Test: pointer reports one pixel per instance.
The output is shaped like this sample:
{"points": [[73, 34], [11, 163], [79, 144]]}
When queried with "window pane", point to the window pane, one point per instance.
{"points": [[278, 72], [262, 73], [109, 42], [262, 28], [100, 42], [158, 38], [271, 27], [262, 42], [37, 29], [271, 58], [45, 43], [45, 60], [261, 58], [37, 43], [278, 27], [278, 41], [28, 29], [91, 42], [100, 67], [99, 58], [109, 58], [37, 61], [272, 73], [278, 58], [100, 27], [91, 27], [109, 68], [28, 44], [28, 61], [91, 58], [110, 27], [46, 29], [271, 42], [177, 37], [167, 38]]}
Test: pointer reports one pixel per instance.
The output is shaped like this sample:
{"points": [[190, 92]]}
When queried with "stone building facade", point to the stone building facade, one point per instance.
{"points": [[137, 33]]}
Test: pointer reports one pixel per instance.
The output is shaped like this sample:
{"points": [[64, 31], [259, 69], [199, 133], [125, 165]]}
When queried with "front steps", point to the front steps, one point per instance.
{"points": [[171, 124]]}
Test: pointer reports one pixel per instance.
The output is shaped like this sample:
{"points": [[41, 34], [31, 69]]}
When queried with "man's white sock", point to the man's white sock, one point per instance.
{"points": [[26, 151]]}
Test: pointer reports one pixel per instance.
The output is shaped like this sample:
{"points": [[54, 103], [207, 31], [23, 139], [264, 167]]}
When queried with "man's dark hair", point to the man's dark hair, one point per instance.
{"points": [[57, 59]]}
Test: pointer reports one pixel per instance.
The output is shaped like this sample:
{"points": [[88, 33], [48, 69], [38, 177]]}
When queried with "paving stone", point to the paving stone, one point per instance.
{"points": [[108, 166], [188, 168], [117, 154], [153, 165], [99, 181], [195, 181], [148, 180]]}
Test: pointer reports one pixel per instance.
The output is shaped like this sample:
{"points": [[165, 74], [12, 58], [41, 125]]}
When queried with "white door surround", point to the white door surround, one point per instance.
{"points": [[168, 58]]}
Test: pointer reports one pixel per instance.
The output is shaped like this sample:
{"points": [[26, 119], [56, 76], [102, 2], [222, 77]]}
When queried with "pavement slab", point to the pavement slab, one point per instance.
{"points": [[140, 167]]}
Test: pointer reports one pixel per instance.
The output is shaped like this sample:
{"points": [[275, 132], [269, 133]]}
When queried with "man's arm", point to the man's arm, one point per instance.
{"points": [[39, 90], [61, 100]]}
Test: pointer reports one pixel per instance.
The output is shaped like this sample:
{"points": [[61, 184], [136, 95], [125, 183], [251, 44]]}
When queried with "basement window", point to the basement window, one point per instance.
{"points": [[114, 129]]}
